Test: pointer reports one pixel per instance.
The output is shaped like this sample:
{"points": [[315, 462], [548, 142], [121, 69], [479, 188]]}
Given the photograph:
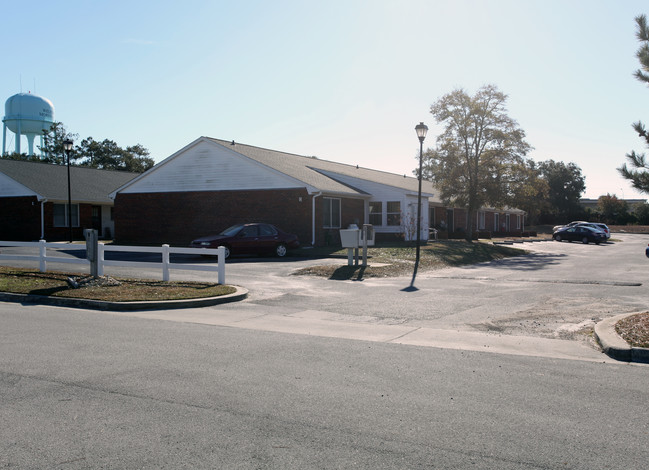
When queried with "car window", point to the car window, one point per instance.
{"points": [[231, 231], [249, 231], [267, 230]]}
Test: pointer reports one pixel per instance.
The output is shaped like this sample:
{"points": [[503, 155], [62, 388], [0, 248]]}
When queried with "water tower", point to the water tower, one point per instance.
{"points": [[28, 115]]}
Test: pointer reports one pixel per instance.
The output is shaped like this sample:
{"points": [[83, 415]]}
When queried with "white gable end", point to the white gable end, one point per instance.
{"points": [[209, 167], [11, 188]]}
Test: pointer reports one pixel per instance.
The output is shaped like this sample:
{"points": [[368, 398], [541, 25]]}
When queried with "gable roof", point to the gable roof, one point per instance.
{"points": [[310, 170], [50, 182]]}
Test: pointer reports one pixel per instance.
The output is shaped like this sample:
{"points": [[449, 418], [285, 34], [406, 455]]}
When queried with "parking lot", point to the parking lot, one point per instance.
{"points": [[559, 290]]}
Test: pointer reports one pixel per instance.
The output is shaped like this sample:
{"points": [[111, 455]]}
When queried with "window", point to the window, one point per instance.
{"points": [[61, 215], [376, 213], [267, 231], [394, 213], [481, 220], [331, 212], [496, 222]]}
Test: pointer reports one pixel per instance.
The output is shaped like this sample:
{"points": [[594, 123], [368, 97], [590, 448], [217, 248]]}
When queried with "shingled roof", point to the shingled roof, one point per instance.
{"points": [[50, 182], [322, 174]]}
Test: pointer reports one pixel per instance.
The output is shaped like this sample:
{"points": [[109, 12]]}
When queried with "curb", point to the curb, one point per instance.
{"points": [[614, 346], [240, 294]]}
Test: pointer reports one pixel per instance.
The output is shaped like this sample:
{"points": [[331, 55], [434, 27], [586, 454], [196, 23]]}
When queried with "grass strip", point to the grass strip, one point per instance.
{"points": [[56, 284]]}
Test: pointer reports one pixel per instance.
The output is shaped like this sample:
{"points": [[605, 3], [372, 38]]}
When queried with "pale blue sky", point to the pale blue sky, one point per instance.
{"points": [[342, 80]]}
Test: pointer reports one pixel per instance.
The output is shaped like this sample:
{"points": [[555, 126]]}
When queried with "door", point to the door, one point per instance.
{"points": [[96, 219], [247, 240], [449, 221]]}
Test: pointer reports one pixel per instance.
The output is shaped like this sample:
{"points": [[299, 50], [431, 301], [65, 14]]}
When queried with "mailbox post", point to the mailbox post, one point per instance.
{"points": [[92, 249]]}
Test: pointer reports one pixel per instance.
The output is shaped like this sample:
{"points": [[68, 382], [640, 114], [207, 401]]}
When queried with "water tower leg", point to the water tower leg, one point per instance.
{"points": [[4, 139], [30, 144], [18, 134]]}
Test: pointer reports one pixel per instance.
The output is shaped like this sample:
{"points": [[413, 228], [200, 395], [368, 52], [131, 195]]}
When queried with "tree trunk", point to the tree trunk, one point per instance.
{"points": [[469, 225]]}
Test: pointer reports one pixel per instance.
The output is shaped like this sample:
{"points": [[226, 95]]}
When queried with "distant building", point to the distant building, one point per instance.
{"points": [[592, 203]]}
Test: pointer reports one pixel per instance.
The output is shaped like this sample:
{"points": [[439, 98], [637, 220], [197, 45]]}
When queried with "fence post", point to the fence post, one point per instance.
{"points": [[165, 263], [42, 252], [100, 259], [221, 266]]}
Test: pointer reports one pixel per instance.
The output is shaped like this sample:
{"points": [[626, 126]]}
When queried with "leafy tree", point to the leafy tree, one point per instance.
{"points": [[641, 213], [475, 157], [612, 210], [53, 151], [566, 184], [529, 190], [105, 155], [637, 173]]}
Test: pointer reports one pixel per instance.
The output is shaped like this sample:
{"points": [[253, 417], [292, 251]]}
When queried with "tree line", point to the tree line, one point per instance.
{"points": [[104, 155]]}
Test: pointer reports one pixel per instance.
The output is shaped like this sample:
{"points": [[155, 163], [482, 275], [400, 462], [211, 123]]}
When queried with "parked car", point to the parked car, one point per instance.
{"points": [[604, 228], [250, 238], [579, 233], [571, 224]]}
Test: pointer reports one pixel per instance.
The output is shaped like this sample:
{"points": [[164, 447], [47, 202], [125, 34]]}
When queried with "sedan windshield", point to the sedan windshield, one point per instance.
{"points": [[231, 231]]}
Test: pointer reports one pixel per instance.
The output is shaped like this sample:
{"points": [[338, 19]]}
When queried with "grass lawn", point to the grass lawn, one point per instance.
{"points": [[400, 260], [27, 281]]}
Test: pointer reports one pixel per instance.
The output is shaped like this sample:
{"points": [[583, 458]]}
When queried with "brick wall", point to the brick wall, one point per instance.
{"points": [[179, 217], [20, 218], [352, 211]]}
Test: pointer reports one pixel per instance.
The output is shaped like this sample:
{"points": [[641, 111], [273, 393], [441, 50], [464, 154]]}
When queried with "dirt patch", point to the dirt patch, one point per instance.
{"points": [[635, 330], [570, 319]]}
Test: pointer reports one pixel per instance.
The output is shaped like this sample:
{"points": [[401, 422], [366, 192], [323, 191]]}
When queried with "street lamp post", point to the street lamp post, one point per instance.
{"points": [[421, 130], [67, 146]]}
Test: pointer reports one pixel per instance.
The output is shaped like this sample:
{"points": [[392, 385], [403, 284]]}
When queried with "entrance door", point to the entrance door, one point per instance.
{"points": [[96, 219]]}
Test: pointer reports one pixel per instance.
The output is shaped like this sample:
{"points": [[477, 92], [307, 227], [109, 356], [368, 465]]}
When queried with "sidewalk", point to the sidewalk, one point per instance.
{"points": [[330, 325]]}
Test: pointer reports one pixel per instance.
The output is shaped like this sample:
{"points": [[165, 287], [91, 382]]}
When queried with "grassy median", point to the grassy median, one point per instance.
{"points": [[389, 261], [59, 284]]}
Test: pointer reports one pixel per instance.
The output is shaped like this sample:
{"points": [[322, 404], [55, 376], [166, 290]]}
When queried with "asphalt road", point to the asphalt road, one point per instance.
{"points": [[82, 389]]}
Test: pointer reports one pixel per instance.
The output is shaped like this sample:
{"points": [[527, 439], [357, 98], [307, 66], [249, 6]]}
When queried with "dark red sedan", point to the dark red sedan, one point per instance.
{"points": [[250, 238]]}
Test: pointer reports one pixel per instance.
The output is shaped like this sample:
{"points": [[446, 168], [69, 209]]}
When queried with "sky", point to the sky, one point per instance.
{"points": [[343, 80]]}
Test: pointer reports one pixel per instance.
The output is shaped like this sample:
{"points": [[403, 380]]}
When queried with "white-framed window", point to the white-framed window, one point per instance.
{"points": [[376, 213], [331, 212], [481, 220], [393, 212], [61, 215], [496, 222], [518, 222]]}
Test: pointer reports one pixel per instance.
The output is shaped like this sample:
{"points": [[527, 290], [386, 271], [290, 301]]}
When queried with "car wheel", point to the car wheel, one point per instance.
{"points": [[227, 251], [280, 250], [584, 240], [558, 238]]}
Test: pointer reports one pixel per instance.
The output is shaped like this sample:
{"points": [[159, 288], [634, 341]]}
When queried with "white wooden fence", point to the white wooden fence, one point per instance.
{"points": [[165, 250]]}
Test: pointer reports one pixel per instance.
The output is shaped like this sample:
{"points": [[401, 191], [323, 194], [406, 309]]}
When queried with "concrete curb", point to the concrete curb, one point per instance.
{"points": [[614, 346], [240, 294]]}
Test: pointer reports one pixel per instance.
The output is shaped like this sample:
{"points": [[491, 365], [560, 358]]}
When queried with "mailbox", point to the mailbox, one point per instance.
{"points": [[350, 238]]}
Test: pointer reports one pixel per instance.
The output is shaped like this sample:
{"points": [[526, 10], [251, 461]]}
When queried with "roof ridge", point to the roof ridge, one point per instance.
{"points": [[309, 157]]}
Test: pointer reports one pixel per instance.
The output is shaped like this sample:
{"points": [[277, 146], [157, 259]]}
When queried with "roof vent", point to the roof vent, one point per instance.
{"points": [[232, 143]]}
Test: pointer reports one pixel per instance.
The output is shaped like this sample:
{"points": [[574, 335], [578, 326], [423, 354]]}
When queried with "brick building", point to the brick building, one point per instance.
{"points": [[34, 200], [211, 184]]}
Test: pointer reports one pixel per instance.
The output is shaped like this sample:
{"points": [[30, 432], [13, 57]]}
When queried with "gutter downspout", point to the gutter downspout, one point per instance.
{"points": [[319, 193], [43, 201]]}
